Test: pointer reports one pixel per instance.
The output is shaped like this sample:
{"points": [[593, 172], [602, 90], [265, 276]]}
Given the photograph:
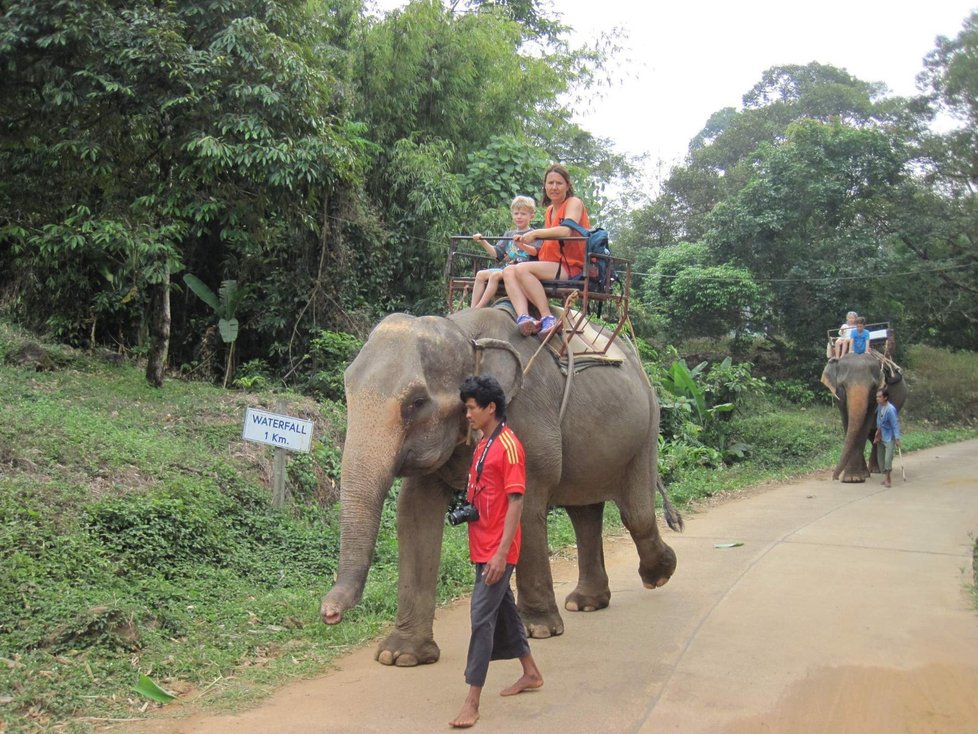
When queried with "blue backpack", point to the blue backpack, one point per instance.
{"points": [[597, 245]]}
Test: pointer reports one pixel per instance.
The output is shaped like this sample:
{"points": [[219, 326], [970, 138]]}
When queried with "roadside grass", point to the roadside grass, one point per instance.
{"points": [[137, 537], [943, 385]]}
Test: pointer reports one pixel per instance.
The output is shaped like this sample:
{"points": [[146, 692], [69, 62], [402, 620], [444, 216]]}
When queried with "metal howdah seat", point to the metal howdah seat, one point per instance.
{"points": [[579, 296], [880, 335]]}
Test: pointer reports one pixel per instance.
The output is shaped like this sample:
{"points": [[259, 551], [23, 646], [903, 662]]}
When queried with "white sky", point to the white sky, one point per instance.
{"points": [[686, 59]]}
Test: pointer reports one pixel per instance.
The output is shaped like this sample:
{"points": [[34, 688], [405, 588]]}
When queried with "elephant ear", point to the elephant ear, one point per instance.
{"points": [[501, 360], [830, 375]]}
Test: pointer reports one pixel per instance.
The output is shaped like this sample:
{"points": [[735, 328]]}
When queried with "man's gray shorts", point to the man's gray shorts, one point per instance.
{"points": [[884, 455], [498, 632]]}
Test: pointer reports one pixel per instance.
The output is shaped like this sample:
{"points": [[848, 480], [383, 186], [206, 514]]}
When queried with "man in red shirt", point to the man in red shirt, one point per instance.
{"points": [[497, 482]]}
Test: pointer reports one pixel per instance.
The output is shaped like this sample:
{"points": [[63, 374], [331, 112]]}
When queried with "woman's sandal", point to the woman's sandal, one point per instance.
{"points": [[547, 324], [527, 325]]}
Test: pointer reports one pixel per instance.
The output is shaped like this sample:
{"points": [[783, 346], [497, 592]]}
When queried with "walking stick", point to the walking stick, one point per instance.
{"points": [[902, 470]]}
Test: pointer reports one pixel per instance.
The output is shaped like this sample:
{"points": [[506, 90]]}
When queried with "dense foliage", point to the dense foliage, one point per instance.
{"points": [[820, 195], [320, 157], [316, 155]]}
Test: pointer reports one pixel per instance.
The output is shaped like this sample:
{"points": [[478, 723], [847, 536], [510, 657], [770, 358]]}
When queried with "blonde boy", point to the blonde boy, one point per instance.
{"points": [[505, 251]]}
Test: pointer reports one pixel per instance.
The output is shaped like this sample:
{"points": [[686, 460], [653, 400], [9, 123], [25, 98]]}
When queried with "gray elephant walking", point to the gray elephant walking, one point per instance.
{"points": [[405, 420], [854, 379]]}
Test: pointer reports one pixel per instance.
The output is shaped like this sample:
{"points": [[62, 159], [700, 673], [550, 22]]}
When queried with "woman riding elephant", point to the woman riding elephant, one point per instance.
{"points": [[555, 260], [405, 420]]}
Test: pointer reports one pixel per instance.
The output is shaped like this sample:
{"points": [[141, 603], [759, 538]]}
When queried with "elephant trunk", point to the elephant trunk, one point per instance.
{"points": [[365, 479], [857, 405]]}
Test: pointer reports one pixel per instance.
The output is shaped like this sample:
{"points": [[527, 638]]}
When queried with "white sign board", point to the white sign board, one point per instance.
{"points": [[283, 431]]}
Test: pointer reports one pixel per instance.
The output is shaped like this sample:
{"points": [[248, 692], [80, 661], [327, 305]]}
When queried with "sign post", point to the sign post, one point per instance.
{"points": [[283, 432]]}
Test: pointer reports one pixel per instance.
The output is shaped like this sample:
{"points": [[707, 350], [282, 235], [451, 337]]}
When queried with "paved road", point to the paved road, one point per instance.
{"points": [[846, 609]]}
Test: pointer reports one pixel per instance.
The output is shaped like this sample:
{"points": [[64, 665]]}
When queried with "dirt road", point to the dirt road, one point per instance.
{"points": [[846, 609]]}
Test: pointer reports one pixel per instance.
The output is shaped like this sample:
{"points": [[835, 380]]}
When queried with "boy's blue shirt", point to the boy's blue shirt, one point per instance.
{"points": [[859, 341], [514, 253]]}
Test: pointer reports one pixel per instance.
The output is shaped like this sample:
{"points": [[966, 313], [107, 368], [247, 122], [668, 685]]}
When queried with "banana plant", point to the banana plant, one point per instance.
{"points": [[225, 305]]}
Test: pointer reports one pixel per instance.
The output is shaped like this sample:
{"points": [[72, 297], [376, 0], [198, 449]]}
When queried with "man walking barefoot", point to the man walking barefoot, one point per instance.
{"points": [[494, 496], [887, 433]]}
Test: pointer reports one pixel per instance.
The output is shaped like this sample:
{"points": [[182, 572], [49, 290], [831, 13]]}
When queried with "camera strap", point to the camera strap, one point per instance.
{"points": [[485, 452]]}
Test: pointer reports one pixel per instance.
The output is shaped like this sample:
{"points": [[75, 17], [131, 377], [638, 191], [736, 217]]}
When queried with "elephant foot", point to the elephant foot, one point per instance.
{"points": [[658, 572], [853, 479], [406, 651], [581, 601], [540, 626]]}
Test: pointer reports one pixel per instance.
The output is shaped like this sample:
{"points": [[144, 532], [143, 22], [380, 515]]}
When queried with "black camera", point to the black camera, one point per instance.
{"points": [[463, 511]]}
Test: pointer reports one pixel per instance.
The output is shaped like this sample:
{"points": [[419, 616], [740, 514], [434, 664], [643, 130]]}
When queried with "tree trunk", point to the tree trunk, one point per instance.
{"points": [[159, 327]]}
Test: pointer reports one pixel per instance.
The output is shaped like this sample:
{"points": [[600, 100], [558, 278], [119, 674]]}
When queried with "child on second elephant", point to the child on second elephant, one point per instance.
{"points": [[506, 251], [859, 338]]}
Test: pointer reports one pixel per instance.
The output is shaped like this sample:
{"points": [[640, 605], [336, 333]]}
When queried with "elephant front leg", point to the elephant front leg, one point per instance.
{"points": [[592, 590], [420, 523], [857, 471], [534, 582]]}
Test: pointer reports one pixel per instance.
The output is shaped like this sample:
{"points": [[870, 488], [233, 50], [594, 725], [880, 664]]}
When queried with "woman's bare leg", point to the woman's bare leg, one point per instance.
{"points": [[533, 288], [511, 278]]}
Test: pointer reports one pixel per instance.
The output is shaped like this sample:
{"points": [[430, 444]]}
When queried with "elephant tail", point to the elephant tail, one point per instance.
{"points": [[673, 519]]}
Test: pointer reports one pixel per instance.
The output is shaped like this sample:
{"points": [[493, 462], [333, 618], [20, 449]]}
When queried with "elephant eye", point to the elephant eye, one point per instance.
{"points": [[412, 408]]}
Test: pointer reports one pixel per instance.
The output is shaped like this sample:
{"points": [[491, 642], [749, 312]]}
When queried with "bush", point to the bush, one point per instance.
{"points": [[784, 439], [330, 353], [942, 385]]}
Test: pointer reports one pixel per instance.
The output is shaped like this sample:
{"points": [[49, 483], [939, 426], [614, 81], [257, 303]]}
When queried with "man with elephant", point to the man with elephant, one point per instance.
{"points": [[494, 505], [405, 420], [887, 433], [854, 380]]}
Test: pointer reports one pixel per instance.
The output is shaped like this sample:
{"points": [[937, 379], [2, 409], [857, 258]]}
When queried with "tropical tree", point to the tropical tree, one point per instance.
{"points": [[811, 225], [721, 155], [143, 137], [693, 297], [225, 306]]}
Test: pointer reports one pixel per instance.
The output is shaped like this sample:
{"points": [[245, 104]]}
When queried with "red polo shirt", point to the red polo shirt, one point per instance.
{"points": [[503, 474]]}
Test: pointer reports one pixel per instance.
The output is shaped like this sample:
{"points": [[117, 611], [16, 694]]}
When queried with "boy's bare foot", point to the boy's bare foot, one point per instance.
{"points": [[527, 682], [466, 717]]}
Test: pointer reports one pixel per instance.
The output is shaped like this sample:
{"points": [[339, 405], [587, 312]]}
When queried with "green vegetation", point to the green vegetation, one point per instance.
{"points": [[138, 536], [317, 157]]}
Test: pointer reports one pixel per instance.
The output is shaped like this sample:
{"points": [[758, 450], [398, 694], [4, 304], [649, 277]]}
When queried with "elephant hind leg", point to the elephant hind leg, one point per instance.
{"points": [[657, 561], [592, 590]]}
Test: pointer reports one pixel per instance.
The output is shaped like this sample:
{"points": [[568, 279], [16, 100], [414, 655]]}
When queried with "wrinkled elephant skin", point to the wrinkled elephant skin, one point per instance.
{"points": [[405, 419], [854, 379]]}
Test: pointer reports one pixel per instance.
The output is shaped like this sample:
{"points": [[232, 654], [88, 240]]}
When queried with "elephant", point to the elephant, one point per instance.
{"points": [[406, 419], [854, 379]]}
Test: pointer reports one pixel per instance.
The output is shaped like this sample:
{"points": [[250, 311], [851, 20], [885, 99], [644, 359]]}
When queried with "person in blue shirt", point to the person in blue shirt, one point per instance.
{"points": [[859, 337], [887, 433]]}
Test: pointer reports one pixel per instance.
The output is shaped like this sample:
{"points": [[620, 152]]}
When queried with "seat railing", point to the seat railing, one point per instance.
{"points": [[880, 332], [582, 293]]}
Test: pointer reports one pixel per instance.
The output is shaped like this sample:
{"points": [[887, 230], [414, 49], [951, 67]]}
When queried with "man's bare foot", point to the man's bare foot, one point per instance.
{"points": [[527, 682], [886, 483], [466, 717]]}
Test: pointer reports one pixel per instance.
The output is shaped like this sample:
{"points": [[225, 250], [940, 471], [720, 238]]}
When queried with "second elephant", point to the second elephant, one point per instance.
{"points": [[855, 378]]}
